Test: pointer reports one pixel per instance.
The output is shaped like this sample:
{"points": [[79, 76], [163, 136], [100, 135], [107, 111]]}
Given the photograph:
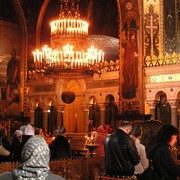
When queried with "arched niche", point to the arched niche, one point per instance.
{"points": [[94, 111], [163, 108], [111, 110]]}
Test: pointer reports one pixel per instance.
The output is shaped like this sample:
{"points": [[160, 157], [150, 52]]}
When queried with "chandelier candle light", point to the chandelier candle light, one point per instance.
{"points": [[69, 52]]}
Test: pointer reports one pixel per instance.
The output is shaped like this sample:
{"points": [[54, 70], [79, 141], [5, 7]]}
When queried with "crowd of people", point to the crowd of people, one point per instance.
{"points": [[122, 150], [59, 145]]}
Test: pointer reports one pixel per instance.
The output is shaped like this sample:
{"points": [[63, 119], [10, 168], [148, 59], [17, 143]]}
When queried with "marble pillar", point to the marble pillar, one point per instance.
{"points": [[152, 107], [174, 115], [45, 116], [31, 114], [60, 116], [102, 113], [85, 117]]}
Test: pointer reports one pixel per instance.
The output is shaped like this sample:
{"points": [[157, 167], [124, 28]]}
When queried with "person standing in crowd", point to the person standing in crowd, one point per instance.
{"points": [[34, 162], [136, 134], [100, 139], [27, 133], [158, 152], [121, 154], [16, 147], [60, 147]]}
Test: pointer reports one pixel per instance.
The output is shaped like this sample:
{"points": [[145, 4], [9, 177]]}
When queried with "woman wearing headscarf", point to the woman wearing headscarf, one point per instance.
{"points": [[16, 147], [100, 139], [158, 152], [34, 162]]}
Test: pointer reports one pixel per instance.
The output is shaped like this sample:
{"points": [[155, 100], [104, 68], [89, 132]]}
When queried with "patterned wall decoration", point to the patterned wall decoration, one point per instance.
{"points": [[153, 28]]}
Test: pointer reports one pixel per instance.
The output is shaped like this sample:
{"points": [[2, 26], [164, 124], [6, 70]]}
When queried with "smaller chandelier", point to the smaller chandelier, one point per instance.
{"points": [[69, 54]]}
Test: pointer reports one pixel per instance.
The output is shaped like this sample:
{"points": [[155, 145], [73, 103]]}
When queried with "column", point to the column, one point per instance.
{"points": [[174, 120], [102, 113], [45, 116], [31, 114], [152, 107], [85, 117], [60, 117]]}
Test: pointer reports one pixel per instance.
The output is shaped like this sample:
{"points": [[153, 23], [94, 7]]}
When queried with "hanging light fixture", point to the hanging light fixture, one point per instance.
{"points": [[69, 54]]}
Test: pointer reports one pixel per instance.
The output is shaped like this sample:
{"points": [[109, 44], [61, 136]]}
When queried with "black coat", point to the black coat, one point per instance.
{"points": [[60, 148], [162, 161], [120, 154]]}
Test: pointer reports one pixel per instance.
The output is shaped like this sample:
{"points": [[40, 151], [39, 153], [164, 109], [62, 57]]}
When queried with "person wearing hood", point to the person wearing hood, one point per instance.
{"points": [[16, 147], [100, 139], [34, 162], [158, 152]]}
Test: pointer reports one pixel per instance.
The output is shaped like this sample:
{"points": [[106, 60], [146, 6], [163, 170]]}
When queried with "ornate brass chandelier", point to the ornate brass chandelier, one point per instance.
{"points": [[69, 54]]}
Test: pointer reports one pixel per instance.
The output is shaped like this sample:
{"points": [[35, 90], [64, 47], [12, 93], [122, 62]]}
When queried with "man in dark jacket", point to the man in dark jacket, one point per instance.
{"points": [[120, 152]]}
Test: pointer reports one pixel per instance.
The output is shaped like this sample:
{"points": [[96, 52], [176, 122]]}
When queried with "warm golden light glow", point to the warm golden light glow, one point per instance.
{"points": [[69, 26], [69, 54]]}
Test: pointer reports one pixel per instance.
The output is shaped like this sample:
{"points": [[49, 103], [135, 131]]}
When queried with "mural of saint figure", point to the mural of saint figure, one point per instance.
{"points": [[13, 71], [130, 66], [163, 110]]}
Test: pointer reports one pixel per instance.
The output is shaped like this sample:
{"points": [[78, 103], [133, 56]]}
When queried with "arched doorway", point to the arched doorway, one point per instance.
{"points": [[163, 108], [73, 115], [111, 111], [94, 113]]}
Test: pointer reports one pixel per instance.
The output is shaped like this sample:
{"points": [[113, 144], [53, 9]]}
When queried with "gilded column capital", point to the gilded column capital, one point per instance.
{"points": [[152, 103], [86, 107], [173, 103], [102, 106]]}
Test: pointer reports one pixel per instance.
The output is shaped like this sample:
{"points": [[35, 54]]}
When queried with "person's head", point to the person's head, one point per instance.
{"points": [[137, 131], [101, 130], [35, 158], [38, 131], [18, 134], [168, 134], [29, 130], [126, 126]]}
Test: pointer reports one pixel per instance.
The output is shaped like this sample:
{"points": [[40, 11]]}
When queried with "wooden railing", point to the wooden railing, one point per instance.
{"points": [[72, 169]]}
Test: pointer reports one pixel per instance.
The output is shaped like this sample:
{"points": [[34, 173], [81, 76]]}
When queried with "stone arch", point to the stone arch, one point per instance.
{"points": [[92, 99], [109, 98], [163, 107], [158, 94]]}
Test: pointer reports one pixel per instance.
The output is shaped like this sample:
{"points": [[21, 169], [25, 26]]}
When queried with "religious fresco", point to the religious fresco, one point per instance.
{"points": [[131, 63], [170, 26]]}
